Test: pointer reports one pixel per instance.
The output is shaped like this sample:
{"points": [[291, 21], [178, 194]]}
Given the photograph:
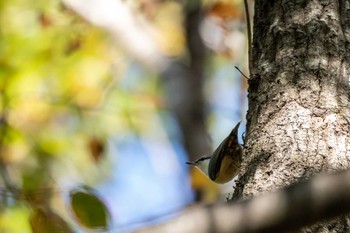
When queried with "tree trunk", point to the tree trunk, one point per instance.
{"points": [[299, 115]]}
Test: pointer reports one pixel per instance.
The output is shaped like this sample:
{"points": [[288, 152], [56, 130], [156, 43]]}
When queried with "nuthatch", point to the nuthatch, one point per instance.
{"points": [[225, 162]]}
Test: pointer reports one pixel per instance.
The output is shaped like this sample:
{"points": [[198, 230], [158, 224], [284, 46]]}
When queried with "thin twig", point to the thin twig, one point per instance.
{"points": [[241, 72]]}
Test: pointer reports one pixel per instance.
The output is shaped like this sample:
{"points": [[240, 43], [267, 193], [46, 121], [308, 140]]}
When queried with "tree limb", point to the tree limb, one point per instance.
{"points": [[298, 205]]}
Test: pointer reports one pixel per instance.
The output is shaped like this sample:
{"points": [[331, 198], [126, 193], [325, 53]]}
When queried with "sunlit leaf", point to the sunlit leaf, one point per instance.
{"points": [[14, 220], [89, 210], [15, 148]]}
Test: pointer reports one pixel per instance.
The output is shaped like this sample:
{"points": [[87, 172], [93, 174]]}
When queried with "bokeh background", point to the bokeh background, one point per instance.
{"points": [[109, 99]]}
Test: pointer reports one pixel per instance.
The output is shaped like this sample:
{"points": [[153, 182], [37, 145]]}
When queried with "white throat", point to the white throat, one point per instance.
{"points": [[203, 166]]}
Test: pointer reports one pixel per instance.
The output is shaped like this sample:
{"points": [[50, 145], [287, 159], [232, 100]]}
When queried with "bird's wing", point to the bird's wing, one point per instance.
{"points": [[225, 147]]}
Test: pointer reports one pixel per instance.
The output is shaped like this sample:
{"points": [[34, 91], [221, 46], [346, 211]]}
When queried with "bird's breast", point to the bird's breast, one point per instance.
{"points": [[228, 170]]}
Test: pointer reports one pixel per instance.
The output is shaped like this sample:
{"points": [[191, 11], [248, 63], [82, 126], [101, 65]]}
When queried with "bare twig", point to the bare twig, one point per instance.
{"points": [[241, 72]]}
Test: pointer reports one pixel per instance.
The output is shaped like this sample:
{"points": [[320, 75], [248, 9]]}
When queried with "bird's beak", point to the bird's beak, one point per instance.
{"points": [[191, 163]]}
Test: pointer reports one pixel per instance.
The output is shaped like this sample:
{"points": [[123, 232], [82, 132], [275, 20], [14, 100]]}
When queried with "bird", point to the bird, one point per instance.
{"points": [[223, 165]]}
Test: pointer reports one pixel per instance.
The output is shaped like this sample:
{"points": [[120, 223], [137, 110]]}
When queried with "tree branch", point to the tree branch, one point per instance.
{"points": [[288, 209]]}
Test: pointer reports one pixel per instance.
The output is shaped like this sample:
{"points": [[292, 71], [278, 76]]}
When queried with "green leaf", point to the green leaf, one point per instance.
{"points": [[88, 209]]}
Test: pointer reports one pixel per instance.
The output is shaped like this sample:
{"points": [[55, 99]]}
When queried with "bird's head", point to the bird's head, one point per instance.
{"points": [[202, 163]]}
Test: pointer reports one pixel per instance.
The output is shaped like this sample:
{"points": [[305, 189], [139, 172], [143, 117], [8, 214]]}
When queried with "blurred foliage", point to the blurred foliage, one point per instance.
{"points": [[55, 75], [55, 69], [61, 99], [45, 220], [14, 220]]}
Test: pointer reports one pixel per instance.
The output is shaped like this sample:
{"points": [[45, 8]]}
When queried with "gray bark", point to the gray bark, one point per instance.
{"points": [[298, 117]]}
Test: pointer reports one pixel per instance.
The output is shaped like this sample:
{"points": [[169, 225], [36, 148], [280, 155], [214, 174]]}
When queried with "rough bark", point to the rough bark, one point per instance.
{"points": [[298, 117]]}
